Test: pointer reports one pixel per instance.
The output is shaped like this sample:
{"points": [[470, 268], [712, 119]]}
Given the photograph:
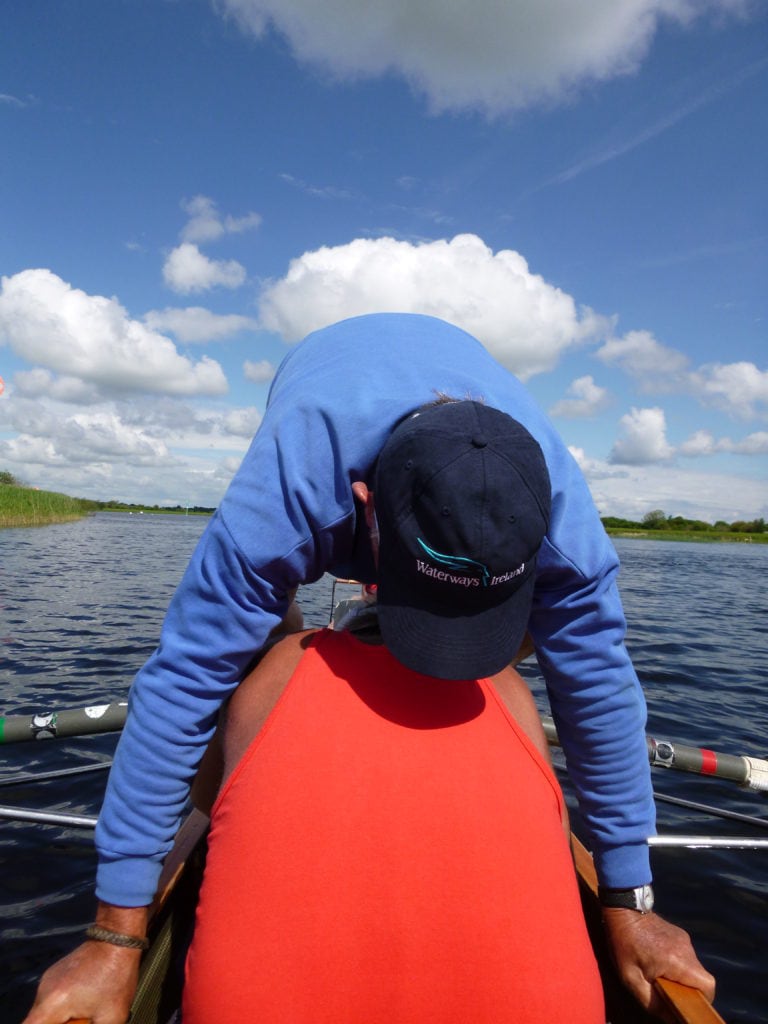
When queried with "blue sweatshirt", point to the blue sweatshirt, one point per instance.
{"points": [[289, 516]]}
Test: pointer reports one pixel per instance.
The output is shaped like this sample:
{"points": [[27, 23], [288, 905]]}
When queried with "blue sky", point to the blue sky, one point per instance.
{"points": [[189, 187]]}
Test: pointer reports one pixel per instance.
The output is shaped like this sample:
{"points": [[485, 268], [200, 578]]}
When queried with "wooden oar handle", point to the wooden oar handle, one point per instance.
{"points": [[689, 1003]]}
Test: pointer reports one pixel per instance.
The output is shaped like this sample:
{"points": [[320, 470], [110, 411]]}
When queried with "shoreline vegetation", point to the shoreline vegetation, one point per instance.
{"points": [[656, 525], [27, 506]]}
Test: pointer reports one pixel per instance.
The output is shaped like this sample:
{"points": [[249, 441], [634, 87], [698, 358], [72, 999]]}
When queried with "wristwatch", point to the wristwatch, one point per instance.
{"points": [[640, 898]]}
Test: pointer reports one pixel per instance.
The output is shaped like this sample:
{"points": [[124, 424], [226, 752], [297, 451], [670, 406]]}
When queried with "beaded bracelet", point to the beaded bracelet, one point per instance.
{"points": [[99, 934]]}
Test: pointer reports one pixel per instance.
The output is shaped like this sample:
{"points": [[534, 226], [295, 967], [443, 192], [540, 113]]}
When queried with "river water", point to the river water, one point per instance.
{"points": [[80, 610]]}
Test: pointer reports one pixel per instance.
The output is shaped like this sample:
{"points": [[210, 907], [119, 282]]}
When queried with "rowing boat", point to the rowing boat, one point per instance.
{"points": [[159, 993]]}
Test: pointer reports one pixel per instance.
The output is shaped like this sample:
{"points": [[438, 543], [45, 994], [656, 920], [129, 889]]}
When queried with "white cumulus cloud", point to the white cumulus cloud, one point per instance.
{"points": [[91, 339], [206, 224], [196, 325], [698, 444], [595, 469], [586, 399], [740, 388], [752, 444], [241, 422], [524, 322], [38, 382], [680, 491], [474, 53], [259, 373], [702, 443], [655, 366], [186, 270], [82, 438], [643, 439], [102, 435]]}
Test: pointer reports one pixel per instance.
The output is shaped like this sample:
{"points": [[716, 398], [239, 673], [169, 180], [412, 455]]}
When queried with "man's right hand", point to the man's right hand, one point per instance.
{"points": [[95, 982]]}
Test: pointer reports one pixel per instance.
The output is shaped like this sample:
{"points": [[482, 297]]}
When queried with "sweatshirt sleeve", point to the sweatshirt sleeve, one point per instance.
{"points": [[579, 628], [221, 613], [287, 516]]}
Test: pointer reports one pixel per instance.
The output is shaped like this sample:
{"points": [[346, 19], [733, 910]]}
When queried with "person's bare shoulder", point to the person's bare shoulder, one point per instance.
{"points": [[283, 646], [253, 700]]}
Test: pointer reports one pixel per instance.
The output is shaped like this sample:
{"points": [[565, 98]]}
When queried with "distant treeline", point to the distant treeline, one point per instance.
{"points": [[122, 506], [658, 520]]}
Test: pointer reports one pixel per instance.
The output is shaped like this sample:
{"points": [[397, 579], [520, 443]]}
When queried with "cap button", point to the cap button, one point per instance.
{"points": [[479, 441]]}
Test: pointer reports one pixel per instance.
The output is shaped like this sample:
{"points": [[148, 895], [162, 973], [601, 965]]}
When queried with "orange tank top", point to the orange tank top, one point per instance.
{"points": [[389, 851]]}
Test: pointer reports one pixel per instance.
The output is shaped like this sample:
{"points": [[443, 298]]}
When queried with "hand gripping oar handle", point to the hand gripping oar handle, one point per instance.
{"points": [[688, 1004], [48, 725], [751, 772], [685, 1005]]}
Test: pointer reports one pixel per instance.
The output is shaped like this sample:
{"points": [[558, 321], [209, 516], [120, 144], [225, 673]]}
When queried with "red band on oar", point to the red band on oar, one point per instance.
{"points": [[708, 762]]}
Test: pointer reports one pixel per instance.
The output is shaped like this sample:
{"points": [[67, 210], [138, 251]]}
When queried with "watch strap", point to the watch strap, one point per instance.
{"points": [[639, 898]]}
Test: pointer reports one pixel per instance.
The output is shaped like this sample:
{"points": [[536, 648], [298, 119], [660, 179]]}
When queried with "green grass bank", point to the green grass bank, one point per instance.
{"points": [[697, 536]]}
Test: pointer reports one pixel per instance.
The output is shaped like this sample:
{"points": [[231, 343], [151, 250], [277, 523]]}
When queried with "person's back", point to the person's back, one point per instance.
{"points": [[390, 848]]}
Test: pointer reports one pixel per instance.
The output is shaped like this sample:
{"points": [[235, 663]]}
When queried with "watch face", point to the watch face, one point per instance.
{"points": [[645, 899]]}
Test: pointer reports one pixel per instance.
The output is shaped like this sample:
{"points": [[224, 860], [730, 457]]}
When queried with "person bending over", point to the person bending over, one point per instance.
{"points": [[288, 516]]}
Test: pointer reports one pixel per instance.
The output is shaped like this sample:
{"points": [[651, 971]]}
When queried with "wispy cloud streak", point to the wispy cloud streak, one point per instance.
{"points": [[619, 149]]}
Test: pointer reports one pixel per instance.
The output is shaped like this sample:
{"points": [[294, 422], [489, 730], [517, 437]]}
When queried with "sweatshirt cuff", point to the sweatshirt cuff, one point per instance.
{"points": [[623, 867], [127, 882]]}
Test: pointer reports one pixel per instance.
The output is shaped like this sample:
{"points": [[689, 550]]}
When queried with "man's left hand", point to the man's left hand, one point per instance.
{"points": [[646, 947]]}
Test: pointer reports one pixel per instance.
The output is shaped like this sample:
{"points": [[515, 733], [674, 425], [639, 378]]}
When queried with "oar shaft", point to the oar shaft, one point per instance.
{"points": [[751, 772], [709, 842], [663, 754], [48, 725], [26, 778], [718, 812], [47, 817]]}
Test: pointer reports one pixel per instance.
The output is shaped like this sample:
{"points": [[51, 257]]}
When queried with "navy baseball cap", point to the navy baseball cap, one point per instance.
{"points": [[462, 497]]}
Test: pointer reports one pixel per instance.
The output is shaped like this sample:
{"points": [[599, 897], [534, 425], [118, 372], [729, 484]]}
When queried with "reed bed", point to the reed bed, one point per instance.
{"points": [[25, 506]]}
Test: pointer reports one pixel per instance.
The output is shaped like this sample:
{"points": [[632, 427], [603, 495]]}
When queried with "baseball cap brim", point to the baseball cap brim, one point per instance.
{"points": [[452, 643]]}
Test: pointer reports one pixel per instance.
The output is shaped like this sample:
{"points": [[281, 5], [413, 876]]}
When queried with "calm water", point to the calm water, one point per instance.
{"points": [[80, 609]]}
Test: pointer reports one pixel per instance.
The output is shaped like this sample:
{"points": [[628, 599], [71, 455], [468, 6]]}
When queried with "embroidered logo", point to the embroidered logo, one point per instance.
{"points": [[450, 568]]}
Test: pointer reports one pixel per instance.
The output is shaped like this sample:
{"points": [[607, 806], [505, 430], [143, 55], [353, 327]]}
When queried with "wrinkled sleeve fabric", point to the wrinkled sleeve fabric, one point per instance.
{"points": [[283, 521], [287, 517], [578, 626]]}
